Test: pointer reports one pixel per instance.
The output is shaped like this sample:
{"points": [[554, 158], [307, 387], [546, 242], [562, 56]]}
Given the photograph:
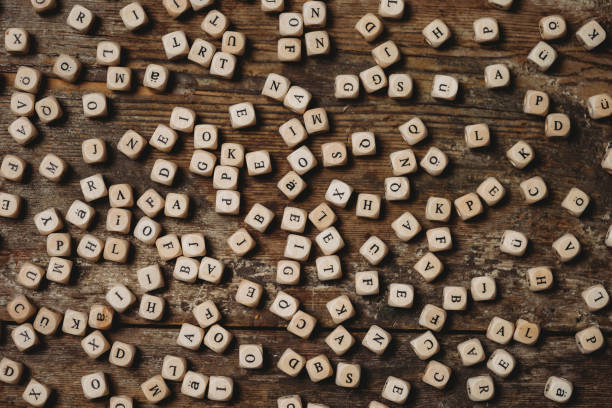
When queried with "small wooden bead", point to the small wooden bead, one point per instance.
{"points": [[151, 307], [539, 278], [316, 121], [439, 239], [59, 270], [363, 143], [297, 247], [291, 363], [367, 283], [94, 385], [500, 4], [289, 401], [131, 144], [338, 193], [480, 388], [403, 162], [406, 226], [368, 205], [413, 132], [151, 203], [108, 53], [589, 340], [436, 374], [536, 103], [28, 79], [163, 172], [155, 389], [48, 109], [95, 344], [438, 209], [289, 49], [302, 324], [542, 55], [294, 220], [328, 267], [220, 388], [477, 135], [177, 205], [174, 368], [168, 247], [596, 297], [121, 195], [552, 27], [242, 115], [483, 288], [432, 317], [471, 352], [486, 30], [290, 24], [36, 393], [445, 87], [293, 132], [211, 270], [497, 76], [395, 389], [558, 389], [386, 54], [373, 79], [190, 336], [348, 375], [340, 309], [134, 16], [302, 160], [30, 275], [591, 35], [227, 202], [43, 6], [369, 26], [93, 187], [150, 278], [201, 52], [75, 322], [249, 293], [297, 99], [317, 43], [314, 14], [346, 87], [163, 138], [258, 163], [599, 106], [186, 269], [401, 295], [118, 78], [147, 230], [60, 244], [392, 9], [120, 298], [491, 191], [10, 205], [319, 368], [20, 309], [22, 130], [334, 154], [80, 18], [567, 247], [206, 314], [156, 77], [434, 162], [340, 340], [215, 23], [397, 189], [291, 185], [175, 45], [374, 250], [250, 356], [205, 137], [533, 190], [513, 243], [400, 86], [454, 298], [22, 103], [182, 119], [429, 266], [501, 363], [520, 154], [194, 385], [101, 317], [468, 206], [175, 7], [557, 125], [526, 332], [24, 336], [121, 401], [288, 272], [376, 340], [276, 87], [10, 371], [322, 217], [90, 248], [272, 6], [259, 218], [67, 68], [94, 151], [436, 33], [16, 41]]}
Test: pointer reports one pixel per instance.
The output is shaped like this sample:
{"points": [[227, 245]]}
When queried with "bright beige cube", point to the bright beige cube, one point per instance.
{"points": [[395, 389], [436, 33], [36, 393], [429, 266], [93, 187], [134, 16], [290, 25], [403, 162], [101, 317], [338, 193], [576, 201], [173, 368], [291, 363], [596, 297], [432, 317], [536, 103], [319, 368], [348, 375], [500, 4], [67, 68], [471, 352], [291, 185], [302, 160], [94, 151], [151, 307], [249, 293], [168, 247], [80, 18], [194, 385], [94, 385], [10, 371], [589, 340], [373, 79], [60, 244], [258, 163], [119, 78], [558, 389], [329, 267], [397, 189], [557, 125], [232, 154], [242, 115], [346, 86], [599, 106], [276, 87], [513, 243], [201, 52], [90, 248], [369, 26], [468, 206], [539, 278], [533, 190], [75, 322], [30, 275], [501, 363], [150, 278], [175, 45], [330, 241], [116, 250], [273, 6], [526, 332], [477, 135], [20, 309], [434, 162], [500, 330], [27, 79], [302, 324], [386, 54], [131, 144], [95, 344], [486, 30], [445, 87], [454, 298], [163, 138], [438, 209], [367, 283], [155, 389], [368, 206], [176, 7], [190, 336], [147, 230], [340, 309], [16, 40], [363, 144], [316, 121], [156, 77], [59, 270], [542, 55], [591, 35], [24, 337], [22, 103], [317, 43], [480, 388], [289, 49], [520, 154], [374, 250], [376, 340], [483, 288], [205, 137], [260, 217], [241, 242], [439, 239], [413, 131], [340, 340], [284, 305], [176, 205], [567, 247], [48, 109], [163, 172], [392, 9], [108, 53], [436, 374], [120, 297], [491, 191], [220, 388], [288, 272], [186, 269], [322, 217], [497, 76], [401, 295], [250, 356], [22, 131], [334, 154], [294, 220], [297, 247], [400, 86]]}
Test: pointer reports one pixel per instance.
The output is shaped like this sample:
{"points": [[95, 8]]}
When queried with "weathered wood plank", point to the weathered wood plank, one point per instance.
{"points": [[554, 355]]}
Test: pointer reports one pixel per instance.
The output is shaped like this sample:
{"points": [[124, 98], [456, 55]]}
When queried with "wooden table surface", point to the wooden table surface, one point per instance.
{"points": [[60, 362]]}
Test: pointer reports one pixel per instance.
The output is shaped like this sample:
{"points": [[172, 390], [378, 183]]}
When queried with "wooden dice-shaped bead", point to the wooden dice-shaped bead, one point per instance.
{"points": [[116, 250], [425, 345], [589, 340], [413, 131], [340, 309], [67, 68], [121, 401], [329, 267], [249, 293], [48, 109], [176, 205], [242, 115], [163, 172], [36, 393], [596, 297], [16, 41], [500, 4], [477, 135], [558, 389], [302, 324], [288, 272], [220, 388], [368, 206], [552, 27], [302, 160], [120, 297], [438, 209], [317, 43], [168, 247], [155, 389], [533, 190], [363, 144], [75, 322], [520, 154], [122, 354], [173, 368], [175, 45], [348, 375], [513, 243], [367, 283], [400, 86], [436, 374], [47, 321], [134, 16], [80, 18], [322, 217], [94, 151], [60, 244], [163, 138], [436, 33], [284, 305], [93, 187], [340, 340], [151, 307], [30, 275], [557, 125], [241, 242], [291, 363], [576, 201], [480, 388], [206, 314], [536, 103], [147, 231], [250, 356], [22, 131], [429, 266], [294, 220], [101, 317], [483, 288], [94, 385], [471, 352], [445, 87], [95, 344], [397, 188], [118, 78], [346, 86], [591, 35], [454, 298], [194, 385], [190, 336], [395, 389], [156, 77], [468, 206], [319, 368], [386, 54], [486, 30], [24, 336], [401, 295], [59, 270], [259, 218], [432, 317], [289, 49], [526, 332], [374, 250], [497, 76], [567, 247], [10, 205], [22, 103], [406, 226], [258, 163], [27, 79], [131, 144], [373, 79], [439, 239], [376, 340], [151, 203], [150, 278], [290, 24], [338, 193], [276, 87], [599, 106], [369, 26], [491, 191], [539, 278], [501, 363], [182, 119], [201, 52], [434, 162], [108, 53], [10, 371], [293, 132], [20, 309], [334, 154]]}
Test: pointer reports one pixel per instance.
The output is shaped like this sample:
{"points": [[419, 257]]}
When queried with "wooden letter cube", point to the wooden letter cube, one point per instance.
{"points": [[80, 18], [241, 242], [20, 309], [22, 130], [17, 40], [567, 247], [596, 297], [173, 368], [536, 103], [182, 119], [163, 172], [317, 43], [429, 266], [533, 190], [395, 389], [500, 4], [60, 244], [121, 401], [526, 332], [329, 267], [432, 317], [363, 143], [589, 340], [591, 35], [486, 30], [497, 76], [397, 189], [436, 374], [322, 217], [175, 7], [93, 187], [539, 278], [513, 243], [376, 340], [552, 27], [438, 209], [330, 241], [201, 52], [94, 385], [250, 356], [471, 352], [340, 309], [289, 49], [150, 278], [163, 138], [59, 270], [294, 220], [288, 272], [439, 239], [176, 205], [175, 45], [67, 68], [483, 288], [302, 324], [400, 86], [156, 77], [36, 393], [258, 163], [480, 388], [95, 344], [134, 16], [10, 371], [108, 53], [116, 250], [468, 206], [276, 87], [290, 25], [576, 201], [386, 54], [194, 385], [436, 33], [348, 375], [369, 26], [319, 368], [94, 151], [366, 283], [297, 247], [131, 144], [316, 121], [291, 363], [48, 221], [374, 250], [190, 336], [260, 217], [434, 162], [558, 389], [334, 154], [368, 206], [491, 191], [599, 106], [338, 193], [346, 86], [444, 87], [249, 293], [30, 275], [24, 337], [413, 131], [48, 109], [168, 247], [47, 321], [557, 125], [120, 297], [542, 55], [22, 103], [501, 363], [151, 307], [393, 9], [155, 389], [151, 203], [27, 79], [220, 388], [373, 79], [477, 136], [302, 160], [242, 115], [74, 323], [118, 78], [147, 231], [340, 340], [401, 295], [101, 317], [454, 298]]}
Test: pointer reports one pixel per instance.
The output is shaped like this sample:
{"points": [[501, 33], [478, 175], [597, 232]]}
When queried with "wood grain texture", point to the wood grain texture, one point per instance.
{"points": [[563, 164]]}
